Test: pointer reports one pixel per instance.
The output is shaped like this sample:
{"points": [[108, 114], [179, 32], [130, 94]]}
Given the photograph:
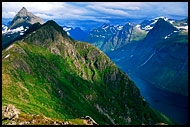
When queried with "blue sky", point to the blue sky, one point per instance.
{"points": [[81, 13]]}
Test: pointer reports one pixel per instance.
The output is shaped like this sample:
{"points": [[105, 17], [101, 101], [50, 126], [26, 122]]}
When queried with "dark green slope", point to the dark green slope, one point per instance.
{"points": [[48, 73]]}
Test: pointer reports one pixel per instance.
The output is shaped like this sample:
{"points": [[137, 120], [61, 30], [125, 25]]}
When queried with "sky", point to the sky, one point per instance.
{"points": [[94, 13]]}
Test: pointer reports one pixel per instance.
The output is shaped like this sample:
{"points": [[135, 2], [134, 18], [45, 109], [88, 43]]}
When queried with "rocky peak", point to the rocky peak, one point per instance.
{"points": [[128, 27], [161, 29], [24, 18], [23, 11]]}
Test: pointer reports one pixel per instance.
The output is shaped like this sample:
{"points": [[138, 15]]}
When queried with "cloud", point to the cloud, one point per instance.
{"points": [[108, 10], [118, 5], [97, 11]]}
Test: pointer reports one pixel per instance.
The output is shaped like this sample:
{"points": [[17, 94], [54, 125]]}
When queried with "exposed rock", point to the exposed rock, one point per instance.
{"points": [[89, 120], [10, 112], [67, 123], [24, 17]]}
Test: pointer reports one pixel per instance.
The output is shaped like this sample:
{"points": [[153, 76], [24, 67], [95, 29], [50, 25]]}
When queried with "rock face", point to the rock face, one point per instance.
{"points": [[10, 112], [89, 120], [23, 18], [109, 38], [59, 76]]}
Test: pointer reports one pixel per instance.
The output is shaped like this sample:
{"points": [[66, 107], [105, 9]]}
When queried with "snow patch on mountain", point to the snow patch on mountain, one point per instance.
{"points": [[20, 29], [67, 28], [119, 27], [148, 27], [4, 29], [182, 27]]}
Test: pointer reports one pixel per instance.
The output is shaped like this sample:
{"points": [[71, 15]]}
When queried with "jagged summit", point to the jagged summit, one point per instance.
{"points": [[23, 10], [24, 18], [161, 29]]}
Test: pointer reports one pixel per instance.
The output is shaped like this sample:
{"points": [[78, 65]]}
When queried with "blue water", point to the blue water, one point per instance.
{"points": [[173, 105]]}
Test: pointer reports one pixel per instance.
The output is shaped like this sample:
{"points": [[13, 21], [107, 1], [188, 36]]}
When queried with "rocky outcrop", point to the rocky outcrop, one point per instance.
{"points": [[89, 120], [10, 112]]}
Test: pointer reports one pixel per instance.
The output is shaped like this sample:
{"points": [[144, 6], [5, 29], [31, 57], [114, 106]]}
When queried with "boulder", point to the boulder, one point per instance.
{"points": [[10, 112]]}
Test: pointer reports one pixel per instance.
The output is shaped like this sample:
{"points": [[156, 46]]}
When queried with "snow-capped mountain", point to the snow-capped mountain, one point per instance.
{"points": [[18, 26], [147, 25], [111, 27], [111, 37], [24, 18]]}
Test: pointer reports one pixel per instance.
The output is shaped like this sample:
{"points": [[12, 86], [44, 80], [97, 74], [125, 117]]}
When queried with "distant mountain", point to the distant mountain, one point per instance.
{"points": [[20, 23], [111, 37], [98, 36], [24, 18], [50, 74], [76, 33], [147, 25], [181, 24], [161, 58]]}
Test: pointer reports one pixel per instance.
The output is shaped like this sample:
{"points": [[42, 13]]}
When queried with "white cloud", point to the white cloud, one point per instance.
{"points": [[8, 14], [108, 10], [119, 5], [96, 11]]}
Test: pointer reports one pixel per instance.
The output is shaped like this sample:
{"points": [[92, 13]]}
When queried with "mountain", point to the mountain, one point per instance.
{"points": [[147, 25], [161, 58], [109, 37], [24, 18], [76, 33], [181, 24], [20, 23], [48, 73], [99, 35]]}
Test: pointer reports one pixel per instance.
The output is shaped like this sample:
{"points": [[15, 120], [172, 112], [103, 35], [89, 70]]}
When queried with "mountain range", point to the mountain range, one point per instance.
{"points": [[111, 37], [46, 72], [161, 58]]}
